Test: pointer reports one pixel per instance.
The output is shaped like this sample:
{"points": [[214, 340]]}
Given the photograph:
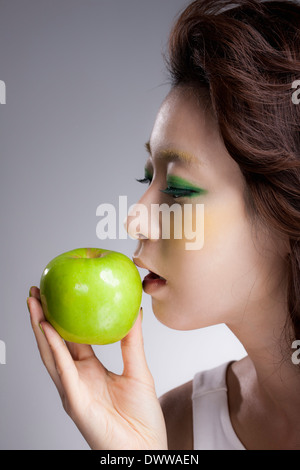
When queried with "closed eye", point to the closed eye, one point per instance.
{"points": [[179, 192]]}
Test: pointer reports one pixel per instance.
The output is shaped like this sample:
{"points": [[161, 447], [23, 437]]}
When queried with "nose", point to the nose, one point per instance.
{"points": [[139, 223]]}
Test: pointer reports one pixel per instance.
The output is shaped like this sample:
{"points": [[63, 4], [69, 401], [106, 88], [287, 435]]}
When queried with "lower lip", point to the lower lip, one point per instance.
{"points": [[151, 283]]}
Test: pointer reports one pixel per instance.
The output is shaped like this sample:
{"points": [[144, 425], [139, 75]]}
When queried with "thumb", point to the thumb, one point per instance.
{"points": [[134, 359]]}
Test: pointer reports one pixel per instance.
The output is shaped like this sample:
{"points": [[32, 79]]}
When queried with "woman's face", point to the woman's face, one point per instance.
{"points": [[238, 267]]}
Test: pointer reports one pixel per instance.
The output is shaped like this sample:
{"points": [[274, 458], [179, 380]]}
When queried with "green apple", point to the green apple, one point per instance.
{"points": [[91, 295]]}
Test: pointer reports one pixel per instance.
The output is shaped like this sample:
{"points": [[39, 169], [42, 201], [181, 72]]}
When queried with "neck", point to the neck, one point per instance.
{"points": [[275, 379]]}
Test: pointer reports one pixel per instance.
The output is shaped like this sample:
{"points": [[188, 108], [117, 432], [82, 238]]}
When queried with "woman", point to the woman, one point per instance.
{"points": [[226, 136]]}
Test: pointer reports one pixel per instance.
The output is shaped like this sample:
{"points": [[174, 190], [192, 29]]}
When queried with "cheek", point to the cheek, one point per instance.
{"points": [[205, 229], [227, 263], [211, 285], [185, 230], [223, 226]]}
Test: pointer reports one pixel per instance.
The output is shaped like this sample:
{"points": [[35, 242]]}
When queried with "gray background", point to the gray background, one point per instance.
{"points": [[84, 81]]}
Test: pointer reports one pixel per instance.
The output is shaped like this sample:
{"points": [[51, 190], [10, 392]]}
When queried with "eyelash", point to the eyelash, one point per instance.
{"points": [[144, 180], [176, 193]]}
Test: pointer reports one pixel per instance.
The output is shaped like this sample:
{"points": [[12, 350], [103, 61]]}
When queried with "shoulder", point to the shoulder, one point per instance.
{"points": [[177, 409]]}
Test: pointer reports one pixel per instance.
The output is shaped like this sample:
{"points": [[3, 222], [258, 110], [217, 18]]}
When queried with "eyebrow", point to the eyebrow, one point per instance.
{"points": [[172, 154]]}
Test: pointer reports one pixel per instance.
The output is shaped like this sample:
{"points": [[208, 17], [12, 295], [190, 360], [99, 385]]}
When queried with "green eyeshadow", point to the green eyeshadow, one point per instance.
{"points": [[182, 186]]}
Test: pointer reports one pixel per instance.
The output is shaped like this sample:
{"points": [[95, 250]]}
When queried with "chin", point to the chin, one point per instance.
{"points": [[176, 320], [169, 317]]}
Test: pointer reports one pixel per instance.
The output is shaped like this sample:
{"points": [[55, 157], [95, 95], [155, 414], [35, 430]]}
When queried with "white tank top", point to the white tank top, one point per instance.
{"points": [[211, 420]]}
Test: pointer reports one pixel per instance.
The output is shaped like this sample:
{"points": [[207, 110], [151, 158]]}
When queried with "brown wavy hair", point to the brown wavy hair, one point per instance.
{"points": [[246, 55]]}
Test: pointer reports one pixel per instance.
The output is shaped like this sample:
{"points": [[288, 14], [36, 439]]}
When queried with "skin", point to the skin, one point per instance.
{"points": [[237, 278], [113, 412]]}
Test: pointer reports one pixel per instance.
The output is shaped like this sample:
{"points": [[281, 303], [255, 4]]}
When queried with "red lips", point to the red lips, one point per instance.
{"points": [[152, 281]]}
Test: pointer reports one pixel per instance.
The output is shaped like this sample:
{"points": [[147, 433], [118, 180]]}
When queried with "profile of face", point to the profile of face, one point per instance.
{"points": [[239, 267]]}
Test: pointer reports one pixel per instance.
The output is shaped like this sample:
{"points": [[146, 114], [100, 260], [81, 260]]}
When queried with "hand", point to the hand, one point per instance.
{"points": [[111, 411]]}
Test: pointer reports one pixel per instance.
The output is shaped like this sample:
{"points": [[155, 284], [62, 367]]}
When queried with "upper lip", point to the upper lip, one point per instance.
{"points": [[140, 264]]}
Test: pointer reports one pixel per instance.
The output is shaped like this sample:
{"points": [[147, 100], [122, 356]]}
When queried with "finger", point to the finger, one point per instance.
{"points": [[36, 317], [80, 352], [134, 359], [34, 292], [64, 364], [35, 310]]}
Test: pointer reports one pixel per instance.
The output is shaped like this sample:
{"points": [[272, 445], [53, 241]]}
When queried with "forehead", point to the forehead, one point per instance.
{"points": [[188, 124], [184, 122]]}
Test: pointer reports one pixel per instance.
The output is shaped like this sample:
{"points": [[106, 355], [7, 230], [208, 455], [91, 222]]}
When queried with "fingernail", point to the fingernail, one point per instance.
{"points": [[30, 292], [28, 304], [41, 328]]}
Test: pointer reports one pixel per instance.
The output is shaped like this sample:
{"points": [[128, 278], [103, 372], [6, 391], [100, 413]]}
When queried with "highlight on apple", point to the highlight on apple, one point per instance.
{"points": [[186, 222]]}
